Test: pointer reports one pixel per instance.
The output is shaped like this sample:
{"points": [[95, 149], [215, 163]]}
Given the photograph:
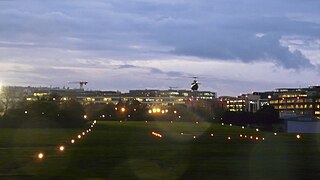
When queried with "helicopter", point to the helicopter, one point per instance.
{"points": [[195, 84]]}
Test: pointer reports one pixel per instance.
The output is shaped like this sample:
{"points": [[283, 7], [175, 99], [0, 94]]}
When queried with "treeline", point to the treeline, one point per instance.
{"points": [[131, 110], [49, 113], [134, 110], [44, 114], [266, 118]]}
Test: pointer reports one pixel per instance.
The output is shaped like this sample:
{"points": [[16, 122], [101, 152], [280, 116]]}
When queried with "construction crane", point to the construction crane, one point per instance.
{"points": [[81, 83]]}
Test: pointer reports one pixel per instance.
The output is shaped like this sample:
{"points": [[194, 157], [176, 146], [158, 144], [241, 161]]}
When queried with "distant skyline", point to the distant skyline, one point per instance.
{"points": [[233, 46]]}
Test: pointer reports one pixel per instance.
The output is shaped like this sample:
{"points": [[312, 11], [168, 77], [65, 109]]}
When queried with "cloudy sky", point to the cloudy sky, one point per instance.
{"points": [[233, 46]]}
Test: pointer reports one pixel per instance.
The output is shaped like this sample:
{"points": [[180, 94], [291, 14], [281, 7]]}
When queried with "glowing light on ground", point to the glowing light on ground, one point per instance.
{"points": [[230, 124], [257, 129], [211, 134], [242, 127], [222, 124], [275, 134], [61, 148], [157, 134], [298, 136], [194, 137], [79, 136], [40, 155], [240, 135], [72, 141], [229, 138], [181, 134]]}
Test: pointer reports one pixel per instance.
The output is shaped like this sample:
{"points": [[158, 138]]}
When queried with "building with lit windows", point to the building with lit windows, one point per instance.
{"points": [[150, 97], [297, 101], [243, 103], [289, 102]]}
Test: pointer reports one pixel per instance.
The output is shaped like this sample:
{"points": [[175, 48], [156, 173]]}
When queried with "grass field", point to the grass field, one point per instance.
{"points": [[128, 150]]}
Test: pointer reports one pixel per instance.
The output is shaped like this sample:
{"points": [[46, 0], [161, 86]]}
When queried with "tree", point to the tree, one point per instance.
{"points": [[136, 111], [71, 114], [9, 98], [268, 115], [43, 108], [101, 111]]}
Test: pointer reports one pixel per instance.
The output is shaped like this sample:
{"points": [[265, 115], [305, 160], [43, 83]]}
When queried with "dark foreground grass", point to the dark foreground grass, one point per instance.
{"points": [[127, 150]]}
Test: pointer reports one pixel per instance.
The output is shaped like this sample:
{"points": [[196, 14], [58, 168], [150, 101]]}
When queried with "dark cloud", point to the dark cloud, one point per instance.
{"points": [[154, 71], [243, 47], [99, 34], [126, 66], [218, 29]]}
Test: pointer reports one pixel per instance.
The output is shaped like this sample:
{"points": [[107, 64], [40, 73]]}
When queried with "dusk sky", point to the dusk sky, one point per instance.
{"points": [[234, 46]]}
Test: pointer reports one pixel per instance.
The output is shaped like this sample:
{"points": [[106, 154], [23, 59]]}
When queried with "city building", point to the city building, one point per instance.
{"points": [[150, 97], [243, 103], [289, 102], [297, 101]]}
